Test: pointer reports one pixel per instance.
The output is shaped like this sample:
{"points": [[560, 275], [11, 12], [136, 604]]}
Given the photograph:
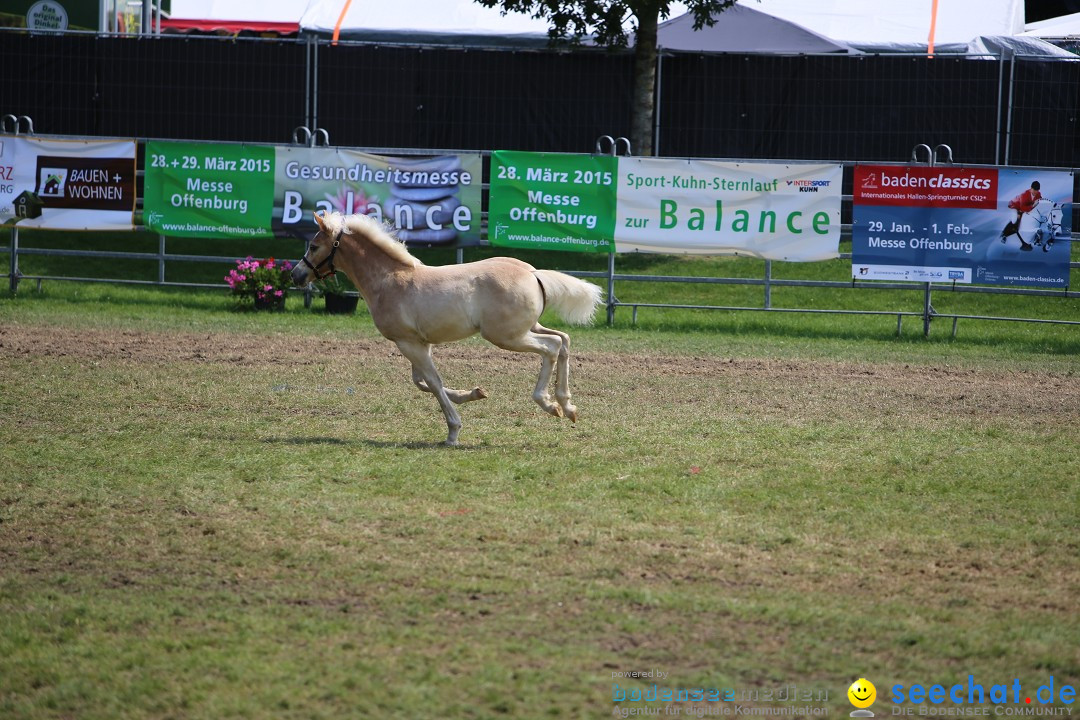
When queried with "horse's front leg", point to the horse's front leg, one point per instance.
{"points": [[419, 354], [456, 396]]}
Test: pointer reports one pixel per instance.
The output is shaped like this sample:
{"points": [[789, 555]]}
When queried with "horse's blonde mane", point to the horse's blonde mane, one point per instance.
{"points": [[379, 233]]}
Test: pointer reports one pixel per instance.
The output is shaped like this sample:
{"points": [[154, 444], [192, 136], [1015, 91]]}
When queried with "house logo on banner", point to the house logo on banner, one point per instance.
{"points": [[51, 182]]}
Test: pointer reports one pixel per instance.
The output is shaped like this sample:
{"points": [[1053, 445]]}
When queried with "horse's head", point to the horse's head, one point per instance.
{"points": [[1055, 218], [318, 261], [1047, 211]]}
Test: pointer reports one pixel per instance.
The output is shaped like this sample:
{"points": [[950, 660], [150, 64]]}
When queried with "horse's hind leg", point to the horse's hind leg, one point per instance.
{"points": [[419, 354], [562, 371], [548, 348], [456, 396]]}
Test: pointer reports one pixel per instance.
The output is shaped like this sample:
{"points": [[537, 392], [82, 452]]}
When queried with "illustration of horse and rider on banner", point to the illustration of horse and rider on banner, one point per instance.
{"points": [[1039, 208], [1037, 217], [1034, 245]]}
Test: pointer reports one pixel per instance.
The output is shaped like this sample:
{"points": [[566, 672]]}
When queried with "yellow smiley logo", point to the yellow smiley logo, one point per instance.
{"points": [[862, 693]]}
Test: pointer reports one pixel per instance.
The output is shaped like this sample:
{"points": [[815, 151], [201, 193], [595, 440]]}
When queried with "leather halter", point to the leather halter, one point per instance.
{"points": [[328, 261]]}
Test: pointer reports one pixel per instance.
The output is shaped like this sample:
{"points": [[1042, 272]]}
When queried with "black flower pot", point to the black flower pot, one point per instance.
{"points": [[272, 304], [341, 304]]}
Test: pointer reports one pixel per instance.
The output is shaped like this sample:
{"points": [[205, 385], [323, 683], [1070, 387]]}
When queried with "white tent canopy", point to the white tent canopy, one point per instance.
{"points": [[1066, 26], [742, 29], [898, 25], [283, 11], [447, 16], [1007, 46], [450, 17], [768, 26]]}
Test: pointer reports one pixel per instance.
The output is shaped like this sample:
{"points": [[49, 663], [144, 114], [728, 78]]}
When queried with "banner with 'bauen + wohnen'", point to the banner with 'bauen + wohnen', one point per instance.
{"points": [[67, 184]]}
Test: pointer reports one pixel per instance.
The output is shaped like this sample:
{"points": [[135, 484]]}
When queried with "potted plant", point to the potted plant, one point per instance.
{"points": [[340, 300], [265, 283]]}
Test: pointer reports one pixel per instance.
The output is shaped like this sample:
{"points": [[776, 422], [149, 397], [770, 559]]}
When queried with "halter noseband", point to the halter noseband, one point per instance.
{"points": [[328, 260]]}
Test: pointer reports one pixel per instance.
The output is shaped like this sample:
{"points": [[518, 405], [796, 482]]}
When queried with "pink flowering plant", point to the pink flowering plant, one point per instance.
{"points": [[265, 282]]}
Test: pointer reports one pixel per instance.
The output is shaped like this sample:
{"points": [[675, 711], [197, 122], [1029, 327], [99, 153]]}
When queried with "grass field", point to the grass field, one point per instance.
{"points": [[208, 513]]}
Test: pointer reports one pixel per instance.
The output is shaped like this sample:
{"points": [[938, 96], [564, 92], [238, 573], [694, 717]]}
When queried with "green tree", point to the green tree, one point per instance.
{"points": [[607, 20]]}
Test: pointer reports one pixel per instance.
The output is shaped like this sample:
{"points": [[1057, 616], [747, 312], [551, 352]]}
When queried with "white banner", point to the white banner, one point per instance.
{"points": [[767, 210], [67, 184]]}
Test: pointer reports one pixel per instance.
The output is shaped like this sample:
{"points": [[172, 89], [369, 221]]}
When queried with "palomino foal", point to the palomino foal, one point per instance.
{"points": [[418, 306]]}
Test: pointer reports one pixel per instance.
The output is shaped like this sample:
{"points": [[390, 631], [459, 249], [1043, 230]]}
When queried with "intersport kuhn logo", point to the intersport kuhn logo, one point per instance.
{"points": [[809, 185]]}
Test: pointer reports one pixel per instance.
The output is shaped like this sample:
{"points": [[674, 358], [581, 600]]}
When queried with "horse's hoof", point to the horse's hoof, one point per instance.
{"points": [[479, 393], [571, 413], [556, 411], [451, 443]]}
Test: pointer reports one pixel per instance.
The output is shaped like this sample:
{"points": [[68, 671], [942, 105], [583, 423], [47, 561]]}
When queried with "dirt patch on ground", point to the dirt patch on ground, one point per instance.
{"points": [[780, 384], [114, 345]]}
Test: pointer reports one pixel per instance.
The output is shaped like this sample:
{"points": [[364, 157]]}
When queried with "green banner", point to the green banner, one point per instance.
{"points": [[208, 190], [554, 202]]}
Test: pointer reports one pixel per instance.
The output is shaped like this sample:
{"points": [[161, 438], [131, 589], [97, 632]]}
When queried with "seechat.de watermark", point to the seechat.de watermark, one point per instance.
{"points": [[972, 698], [966, 698]]}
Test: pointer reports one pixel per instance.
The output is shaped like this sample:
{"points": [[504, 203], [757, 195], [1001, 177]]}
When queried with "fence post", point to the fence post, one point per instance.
{"points": [[931, 160], [1000, 94], [161, 260], [315, 85], [928, 312], [768, 284], [14, 259], [614, 152], [658, 104], [308, 120], [1009, 109], [611, 289]]}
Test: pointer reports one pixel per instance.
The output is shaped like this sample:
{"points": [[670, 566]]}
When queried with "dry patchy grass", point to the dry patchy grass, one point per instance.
{"points": [[241, 525]]}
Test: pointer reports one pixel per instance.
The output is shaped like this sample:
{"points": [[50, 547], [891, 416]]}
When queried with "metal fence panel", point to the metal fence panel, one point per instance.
{"points": [[1044, 122], [373, 96], [183, 88], [1022, 111], [828, 107]]}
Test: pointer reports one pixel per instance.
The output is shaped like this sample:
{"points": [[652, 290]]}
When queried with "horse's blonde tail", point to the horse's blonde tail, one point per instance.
{"points": [[574, 300]]}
